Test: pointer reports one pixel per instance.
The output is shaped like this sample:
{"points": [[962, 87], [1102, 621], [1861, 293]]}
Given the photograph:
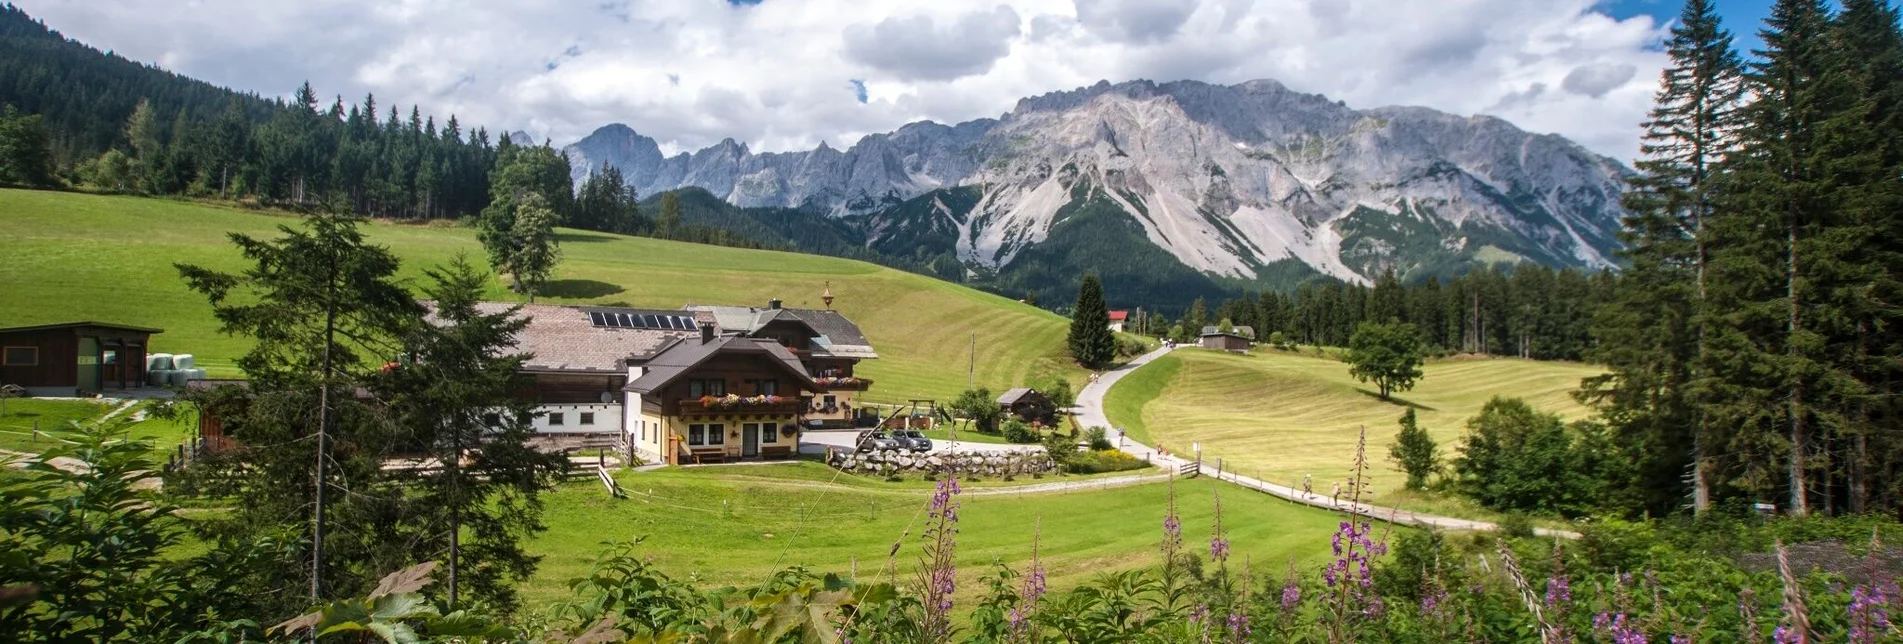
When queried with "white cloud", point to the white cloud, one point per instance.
{"points": [[919, 48], [780, 74]]}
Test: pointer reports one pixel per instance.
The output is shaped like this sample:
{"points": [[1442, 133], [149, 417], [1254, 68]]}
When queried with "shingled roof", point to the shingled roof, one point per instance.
{"points": [[681, 356], [838, 337], [564, 338]]}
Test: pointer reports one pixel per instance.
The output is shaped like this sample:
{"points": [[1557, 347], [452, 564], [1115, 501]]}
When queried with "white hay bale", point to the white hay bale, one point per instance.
{"points": [[196, 374], [177, 378], [158, 377], [158, 362], [182, 361]]}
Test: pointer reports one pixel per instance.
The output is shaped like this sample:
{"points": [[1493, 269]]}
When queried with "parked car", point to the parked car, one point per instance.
{"points": [[878, 441], [913, 440]]}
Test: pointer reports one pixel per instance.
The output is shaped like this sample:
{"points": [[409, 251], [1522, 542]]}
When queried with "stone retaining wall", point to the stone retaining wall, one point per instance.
{"points": [[981, 464]]}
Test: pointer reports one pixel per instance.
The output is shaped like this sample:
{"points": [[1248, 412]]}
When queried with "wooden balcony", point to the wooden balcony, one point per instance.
{"points": [[845, 383], [765, 405]]}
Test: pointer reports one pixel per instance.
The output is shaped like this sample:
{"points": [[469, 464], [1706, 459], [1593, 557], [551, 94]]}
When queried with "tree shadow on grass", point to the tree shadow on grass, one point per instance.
{"points": [[582, 237], [1394, 400], [579, 289]]}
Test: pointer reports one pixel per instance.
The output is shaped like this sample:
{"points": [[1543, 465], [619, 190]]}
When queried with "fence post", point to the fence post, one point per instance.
{"points": [[1219, 467]]}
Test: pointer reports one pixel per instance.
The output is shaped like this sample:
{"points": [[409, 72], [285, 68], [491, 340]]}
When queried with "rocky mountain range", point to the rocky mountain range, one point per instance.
{"points": [[1161, 187]]}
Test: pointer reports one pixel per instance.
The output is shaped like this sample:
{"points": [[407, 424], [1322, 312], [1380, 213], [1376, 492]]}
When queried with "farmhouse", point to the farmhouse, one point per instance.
{"points": [[72, 357], [1118, 319], [1029, 405], [702, 384], [1237, 339]]}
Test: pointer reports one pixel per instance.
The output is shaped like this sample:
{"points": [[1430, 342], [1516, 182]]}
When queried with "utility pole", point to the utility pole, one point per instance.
{"points": [[971, 365]]}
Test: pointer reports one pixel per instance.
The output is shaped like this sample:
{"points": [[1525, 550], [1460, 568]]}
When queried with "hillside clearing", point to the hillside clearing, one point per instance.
{"points": [[1279, 416], [90, 257]]}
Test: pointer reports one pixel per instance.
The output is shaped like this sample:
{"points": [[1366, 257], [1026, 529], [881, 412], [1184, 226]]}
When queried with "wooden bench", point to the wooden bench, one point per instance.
{"points": [[776, 452], [705, 456]]}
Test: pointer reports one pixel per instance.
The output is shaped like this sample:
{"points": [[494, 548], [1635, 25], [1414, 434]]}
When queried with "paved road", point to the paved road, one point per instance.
{"points": [[1090, 414]]}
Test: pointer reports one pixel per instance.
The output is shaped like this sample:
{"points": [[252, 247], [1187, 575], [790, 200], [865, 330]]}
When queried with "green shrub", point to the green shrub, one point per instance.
{"points": [[1099, 439], [1099, 461], [1516, 526], [1017, 431]]}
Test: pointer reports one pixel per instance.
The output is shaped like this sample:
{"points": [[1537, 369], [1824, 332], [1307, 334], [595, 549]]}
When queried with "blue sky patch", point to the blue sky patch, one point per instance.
{"points": [[1743, 18], [859, 89]]}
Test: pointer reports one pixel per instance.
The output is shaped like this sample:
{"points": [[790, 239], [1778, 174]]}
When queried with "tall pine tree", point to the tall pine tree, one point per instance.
{"points": [[1651, 334], [1091, 341]]}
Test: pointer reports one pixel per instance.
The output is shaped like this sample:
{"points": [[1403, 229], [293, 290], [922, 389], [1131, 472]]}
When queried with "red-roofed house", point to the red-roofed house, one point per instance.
{"points": [[1117, 318]]}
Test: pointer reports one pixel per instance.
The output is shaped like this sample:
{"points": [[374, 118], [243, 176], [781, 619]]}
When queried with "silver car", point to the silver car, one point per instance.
{"points": [[878, 441]]}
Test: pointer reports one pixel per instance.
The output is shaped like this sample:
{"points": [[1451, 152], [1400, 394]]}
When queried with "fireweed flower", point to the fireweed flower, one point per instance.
{"points": [[1291, 594], [1239, 625], [940, 573], [1618, 629], [1559, 590], [1869, 611]]}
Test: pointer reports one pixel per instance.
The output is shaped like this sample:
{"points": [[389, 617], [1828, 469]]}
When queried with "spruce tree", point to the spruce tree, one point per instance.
{"points": [[1780, 254], [1092, 343], [1651, 333], [1873, 201], [1415, 452]]}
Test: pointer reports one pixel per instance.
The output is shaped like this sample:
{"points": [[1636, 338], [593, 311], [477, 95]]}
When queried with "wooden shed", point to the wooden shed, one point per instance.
{"points": [[1224, 341], [1030, 405], [74, 357]]}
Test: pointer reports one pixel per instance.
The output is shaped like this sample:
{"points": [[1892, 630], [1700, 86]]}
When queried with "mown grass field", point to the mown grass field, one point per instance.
{"points": [[1284, 415], [737, 524], [19, 418], [89, 257]]}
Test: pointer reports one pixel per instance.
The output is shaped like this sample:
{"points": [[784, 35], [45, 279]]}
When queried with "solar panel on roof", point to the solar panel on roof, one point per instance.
{"points": [[595, 317], [647, 322]]}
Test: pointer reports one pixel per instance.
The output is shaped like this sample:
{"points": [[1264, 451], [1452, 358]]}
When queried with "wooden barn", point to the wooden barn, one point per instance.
{"points": [[74, 357]]}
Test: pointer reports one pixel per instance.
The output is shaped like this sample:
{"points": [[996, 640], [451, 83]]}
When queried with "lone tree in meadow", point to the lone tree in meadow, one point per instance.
{"points": [[1415, 452], [1388, 354], [1091, 341]]}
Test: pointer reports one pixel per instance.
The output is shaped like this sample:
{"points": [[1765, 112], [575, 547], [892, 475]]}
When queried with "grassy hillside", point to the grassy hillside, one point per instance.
{"points": [[737, 524], [75, 256], [1284, 415]]}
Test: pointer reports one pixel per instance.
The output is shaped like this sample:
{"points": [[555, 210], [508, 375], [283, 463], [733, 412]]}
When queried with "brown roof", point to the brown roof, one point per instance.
{"points": [[1020, 394], [564, 338], [74, 325], [682, 356]]}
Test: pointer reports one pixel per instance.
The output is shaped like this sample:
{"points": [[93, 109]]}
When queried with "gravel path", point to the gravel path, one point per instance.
{"points": [[1090, 414]]}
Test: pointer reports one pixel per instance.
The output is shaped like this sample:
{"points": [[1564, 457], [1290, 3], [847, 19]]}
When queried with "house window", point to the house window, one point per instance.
{"points": [[767, 435], [711, 434], [711, 387], [588, 418], [22, 356], [765, 387], [109, 356], [555, 419]]}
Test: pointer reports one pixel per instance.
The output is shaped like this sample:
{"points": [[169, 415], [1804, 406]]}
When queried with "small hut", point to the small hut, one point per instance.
{"points": [[1029, 405], [1236, 339]]}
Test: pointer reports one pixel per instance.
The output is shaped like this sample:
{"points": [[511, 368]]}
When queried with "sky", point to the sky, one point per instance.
{"points": [[790, 74]]}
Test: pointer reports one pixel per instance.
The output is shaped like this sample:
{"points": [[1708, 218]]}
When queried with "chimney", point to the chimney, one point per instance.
{"points": [[773, 304], [706, 332]]}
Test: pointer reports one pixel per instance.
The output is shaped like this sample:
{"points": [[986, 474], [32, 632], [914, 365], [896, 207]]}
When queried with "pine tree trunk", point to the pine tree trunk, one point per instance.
{"points": [[1800, 498]]}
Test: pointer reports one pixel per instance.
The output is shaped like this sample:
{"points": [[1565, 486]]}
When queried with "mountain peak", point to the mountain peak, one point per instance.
{"points": [[1238, 182]]}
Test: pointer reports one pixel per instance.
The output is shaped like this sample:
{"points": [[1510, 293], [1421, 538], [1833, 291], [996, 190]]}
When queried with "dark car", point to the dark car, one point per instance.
{"points": [[913, 440]]}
